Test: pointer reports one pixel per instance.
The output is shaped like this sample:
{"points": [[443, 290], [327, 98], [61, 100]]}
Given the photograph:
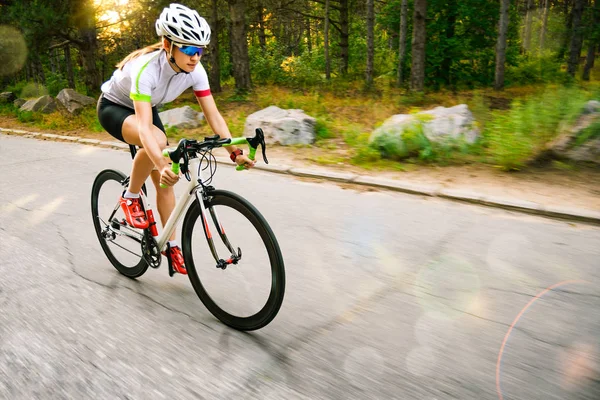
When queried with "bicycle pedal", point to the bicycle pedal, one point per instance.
{"points": [[171, 270]]}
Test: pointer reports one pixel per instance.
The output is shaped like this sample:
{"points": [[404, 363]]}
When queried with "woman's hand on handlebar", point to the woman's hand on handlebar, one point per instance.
{"points": [[168, 177], [244, 161]]}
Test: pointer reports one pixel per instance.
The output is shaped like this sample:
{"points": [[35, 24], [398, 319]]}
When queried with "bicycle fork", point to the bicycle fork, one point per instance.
{"points": [[221, 263]]}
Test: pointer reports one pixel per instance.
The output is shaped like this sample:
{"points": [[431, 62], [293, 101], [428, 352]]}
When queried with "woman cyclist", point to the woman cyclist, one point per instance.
{"points": [[127, 109]]}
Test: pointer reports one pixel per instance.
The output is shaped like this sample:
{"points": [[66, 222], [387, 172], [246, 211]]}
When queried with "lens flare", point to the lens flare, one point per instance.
{"points": [[13, 50], [364, 366], [447, 287], [420, 361]]}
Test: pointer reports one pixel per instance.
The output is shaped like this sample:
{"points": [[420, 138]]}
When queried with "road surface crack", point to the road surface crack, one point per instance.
{"points": [[71, 261], [167, 307]]}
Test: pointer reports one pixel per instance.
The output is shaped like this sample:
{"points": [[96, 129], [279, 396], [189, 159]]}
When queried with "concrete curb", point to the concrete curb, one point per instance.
{"points": [[523, 206]]}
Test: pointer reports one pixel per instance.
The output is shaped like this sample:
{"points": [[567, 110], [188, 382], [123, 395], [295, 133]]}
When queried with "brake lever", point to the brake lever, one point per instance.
{"points": [[259, 140]]}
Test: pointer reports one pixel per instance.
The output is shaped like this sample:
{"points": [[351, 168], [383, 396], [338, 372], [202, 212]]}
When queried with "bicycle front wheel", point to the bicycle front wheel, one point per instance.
{"points": [[121, 243], [247, 295]]}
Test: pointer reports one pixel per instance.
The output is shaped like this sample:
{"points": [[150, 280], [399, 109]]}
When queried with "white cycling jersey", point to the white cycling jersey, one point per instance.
{"points": [[150, 78]]}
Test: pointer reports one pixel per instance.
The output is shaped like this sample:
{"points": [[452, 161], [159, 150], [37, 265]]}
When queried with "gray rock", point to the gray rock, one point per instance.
{"points": [[440, 125], [285, 127], [182, 117], [588, 151], [74, 102], [565, 145], [7, 97], [591, 107], [44, 104], [455, 122], [19, 102]]}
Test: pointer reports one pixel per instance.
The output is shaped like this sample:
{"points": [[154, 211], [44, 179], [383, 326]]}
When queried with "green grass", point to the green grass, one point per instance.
{"points": [[515, 124], [513, 138], [589, 133]]}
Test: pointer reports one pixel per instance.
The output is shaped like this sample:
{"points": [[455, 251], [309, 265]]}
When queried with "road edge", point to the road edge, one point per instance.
{"points": [[511, 204]]}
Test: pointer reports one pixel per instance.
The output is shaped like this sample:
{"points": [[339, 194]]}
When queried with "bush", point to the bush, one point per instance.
{"points": [[397, 145], [515, 137], [56, 83], [322, 131], [28, 116], [589, 133], [33, 90], [538, 69]]}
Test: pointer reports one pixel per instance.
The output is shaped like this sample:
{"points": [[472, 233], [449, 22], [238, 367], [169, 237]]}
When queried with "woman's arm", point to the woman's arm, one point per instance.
{"points": [[143, 113], [219, 126]]}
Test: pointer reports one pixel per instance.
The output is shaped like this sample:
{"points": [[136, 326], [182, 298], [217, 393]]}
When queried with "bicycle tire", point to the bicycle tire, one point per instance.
{"points": [[108, 175], [275, 298]]}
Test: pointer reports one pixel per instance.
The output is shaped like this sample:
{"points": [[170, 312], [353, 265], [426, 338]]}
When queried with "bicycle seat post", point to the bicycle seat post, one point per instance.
{"points": [[132, 150]]}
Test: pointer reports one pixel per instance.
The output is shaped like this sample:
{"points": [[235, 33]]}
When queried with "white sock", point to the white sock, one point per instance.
{"points": [[173, 243], [129, 195]]}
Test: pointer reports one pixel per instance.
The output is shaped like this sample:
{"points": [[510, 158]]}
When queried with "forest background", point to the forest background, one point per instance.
{"points": [[524, 67]]}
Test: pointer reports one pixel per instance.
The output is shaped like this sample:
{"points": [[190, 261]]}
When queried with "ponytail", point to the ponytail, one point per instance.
{"points": [[137, 53]]}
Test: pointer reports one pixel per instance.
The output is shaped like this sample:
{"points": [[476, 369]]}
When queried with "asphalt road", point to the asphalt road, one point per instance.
{"points": [[389, 296]]}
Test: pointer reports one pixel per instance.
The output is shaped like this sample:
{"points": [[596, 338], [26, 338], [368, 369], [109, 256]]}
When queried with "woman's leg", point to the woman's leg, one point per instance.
{"points": [[142, 164], [165, 200]]}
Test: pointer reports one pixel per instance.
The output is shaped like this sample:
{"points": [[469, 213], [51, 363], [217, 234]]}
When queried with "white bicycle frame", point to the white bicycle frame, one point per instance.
{"points": [[193, 191]]}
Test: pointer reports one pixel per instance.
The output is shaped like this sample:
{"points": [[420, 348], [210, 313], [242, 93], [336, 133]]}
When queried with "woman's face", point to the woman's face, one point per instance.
{"points": [[184, 61]]}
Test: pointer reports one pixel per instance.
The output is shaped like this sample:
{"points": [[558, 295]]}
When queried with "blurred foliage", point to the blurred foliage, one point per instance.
{"points": [[514, 137]]}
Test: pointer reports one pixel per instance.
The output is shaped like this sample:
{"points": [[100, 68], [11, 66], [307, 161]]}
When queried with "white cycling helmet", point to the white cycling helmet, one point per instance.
{"points": [[183, 25]]}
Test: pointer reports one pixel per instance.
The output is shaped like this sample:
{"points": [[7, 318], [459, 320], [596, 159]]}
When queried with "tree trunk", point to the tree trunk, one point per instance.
{"points": [[344, 36], [576, 37], [591, 54], [417, 73], [262, 36], [40, 71], [308, 31], [326, 42], [69, 66], [402, 44], [566, 38], [370, 40], [501, 45], [51, 58], [85, 22], [215, 63], [589, 62], [239, 46], [450, 32], [544, 24], [528, 19]]}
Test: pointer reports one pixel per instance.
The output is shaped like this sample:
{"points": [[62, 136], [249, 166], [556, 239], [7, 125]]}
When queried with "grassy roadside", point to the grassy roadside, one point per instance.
{"points": [[515, 123]]}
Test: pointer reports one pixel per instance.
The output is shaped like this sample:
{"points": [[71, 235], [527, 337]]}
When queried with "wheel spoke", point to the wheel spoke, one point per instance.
{"points": [[246, 295], [126, 259]]}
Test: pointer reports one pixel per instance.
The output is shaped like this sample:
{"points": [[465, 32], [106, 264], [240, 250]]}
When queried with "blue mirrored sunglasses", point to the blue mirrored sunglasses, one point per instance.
{"points": [[191, 50]]}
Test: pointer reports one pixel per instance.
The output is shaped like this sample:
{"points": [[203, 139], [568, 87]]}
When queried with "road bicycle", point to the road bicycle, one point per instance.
{"points": [[243, 289]]}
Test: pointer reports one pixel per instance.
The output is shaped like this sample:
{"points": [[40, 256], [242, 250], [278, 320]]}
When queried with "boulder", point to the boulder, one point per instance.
{"points": [[577, 142], [284, 127], [7, 97], [44, 104], [591, 107], [19, 102], [588, 152], [74, 102], [182, 117], [404, 135]]}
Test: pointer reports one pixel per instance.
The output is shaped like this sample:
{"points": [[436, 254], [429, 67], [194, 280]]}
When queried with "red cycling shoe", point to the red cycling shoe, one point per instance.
{"points": [[175, 258], [134, 213]]}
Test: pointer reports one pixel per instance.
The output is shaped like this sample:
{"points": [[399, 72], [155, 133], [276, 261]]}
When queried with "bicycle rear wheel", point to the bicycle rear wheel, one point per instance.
{"points": [[247, 295], [121, 243]]}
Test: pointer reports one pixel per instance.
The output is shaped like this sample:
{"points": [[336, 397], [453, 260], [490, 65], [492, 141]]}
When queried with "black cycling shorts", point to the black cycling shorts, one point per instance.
{"points": [[112, 115]]}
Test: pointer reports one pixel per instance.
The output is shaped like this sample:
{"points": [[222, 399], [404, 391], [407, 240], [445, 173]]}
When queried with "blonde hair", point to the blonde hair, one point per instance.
{"points": [[137, 53]]}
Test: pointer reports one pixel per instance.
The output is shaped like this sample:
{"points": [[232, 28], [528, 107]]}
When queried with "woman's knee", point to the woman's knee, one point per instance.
{"points": [[161, 137]]}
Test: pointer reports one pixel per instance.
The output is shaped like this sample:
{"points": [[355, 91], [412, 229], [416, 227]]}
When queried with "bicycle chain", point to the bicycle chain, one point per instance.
{"points": [[150, 251]]}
